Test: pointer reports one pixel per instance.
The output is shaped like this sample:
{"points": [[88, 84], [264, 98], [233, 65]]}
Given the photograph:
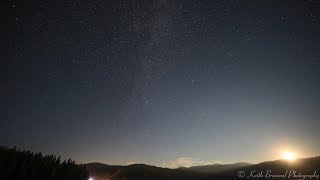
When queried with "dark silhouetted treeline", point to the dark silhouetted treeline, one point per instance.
{"points": [[26, 165]]}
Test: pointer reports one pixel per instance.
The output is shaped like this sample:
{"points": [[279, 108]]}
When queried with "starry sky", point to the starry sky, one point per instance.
{"points": [[161, 82]]}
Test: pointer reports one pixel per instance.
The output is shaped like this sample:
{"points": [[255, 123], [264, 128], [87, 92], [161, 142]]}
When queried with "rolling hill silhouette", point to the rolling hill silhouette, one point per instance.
{"points": [[217, 168], [279, 169]]}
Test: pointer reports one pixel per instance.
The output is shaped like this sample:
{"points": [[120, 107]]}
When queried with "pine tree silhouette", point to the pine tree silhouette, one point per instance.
{"points": [[25, 165]]}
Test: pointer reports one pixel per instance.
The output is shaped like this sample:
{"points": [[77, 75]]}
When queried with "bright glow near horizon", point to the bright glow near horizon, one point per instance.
{"points": [[288, 156]]}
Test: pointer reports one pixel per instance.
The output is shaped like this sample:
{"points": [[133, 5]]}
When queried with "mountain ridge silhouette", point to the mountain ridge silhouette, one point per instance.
{"points": [[214, 171]]}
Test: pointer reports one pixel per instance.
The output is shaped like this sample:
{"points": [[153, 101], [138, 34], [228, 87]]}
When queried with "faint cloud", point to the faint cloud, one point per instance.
{"points": [[187, 162], [253, 161], [131, 162]]}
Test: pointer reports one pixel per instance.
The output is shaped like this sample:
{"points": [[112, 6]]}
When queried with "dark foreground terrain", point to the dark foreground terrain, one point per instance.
{"points": [[25, 165], [307, 168], [16, 164]]}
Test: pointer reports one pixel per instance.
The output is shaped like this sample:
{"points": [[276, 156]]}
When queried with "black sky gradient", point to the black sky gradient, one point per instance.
{"points": [[155, 80]]}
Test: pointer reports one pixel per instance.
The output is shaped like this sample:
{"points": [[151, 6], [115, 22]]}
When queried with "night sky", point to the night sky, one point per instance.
{"points": [[161, 82]]}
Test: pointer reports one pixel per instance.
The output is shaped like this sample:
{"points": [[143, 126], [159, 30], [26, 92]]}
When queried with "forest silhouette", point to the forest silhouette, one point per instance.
{"points": [[25, 165]]}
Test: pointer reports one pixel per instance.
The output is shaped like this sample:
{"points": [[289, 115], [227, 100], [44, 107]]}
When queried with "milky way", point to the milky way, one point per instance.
{"points": [[159, 81]]}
